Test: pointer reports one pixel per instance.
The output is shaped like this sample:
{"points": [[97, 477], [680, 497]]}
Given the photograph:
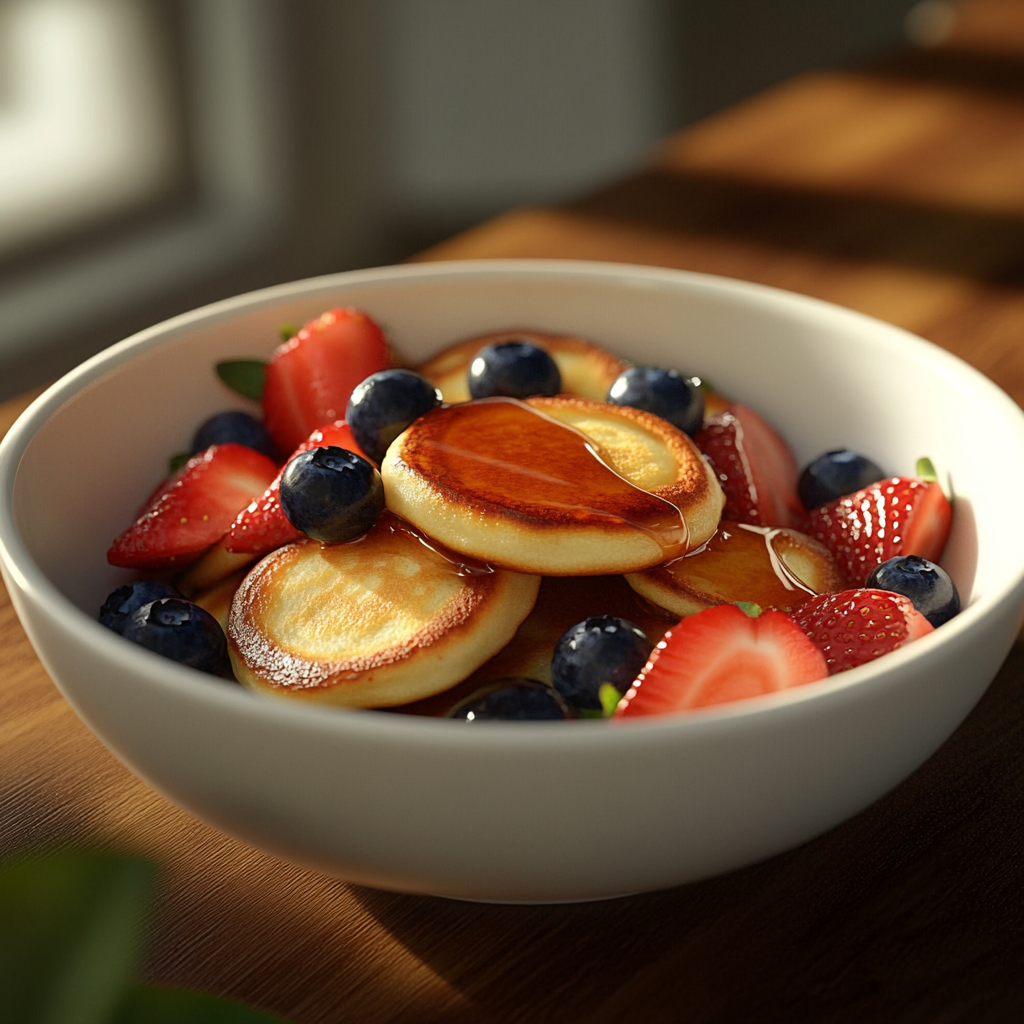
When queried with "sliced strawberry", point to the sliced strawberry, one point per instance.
{"points": [[894, 517], [195, 509], [857, 626], [722, 654], [262, 526], [309, 378], [755, 467]]}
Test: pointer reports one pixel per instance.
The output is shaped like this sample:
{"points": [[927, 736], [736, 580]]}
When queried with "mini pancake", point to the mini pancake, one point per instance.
{"points": [[379, 621], [773, 567], [507, 483], [586, 369]]}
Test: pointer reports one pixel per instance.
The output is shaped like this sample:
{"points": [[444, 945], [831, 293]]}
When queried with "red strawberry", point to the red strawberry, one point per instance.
{"points": [[856, 626], [722, 654], [309, 378], [263, 526], [195, 508], [755, 467], [896, 516]]}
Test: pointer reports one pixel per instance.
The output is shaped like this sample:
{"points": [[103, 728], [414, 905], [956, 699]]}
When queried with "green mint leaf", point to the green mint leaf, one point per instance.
{"points": [[175, 462], [609, 698], [926, 471], [749, 608], [70, 930], [246, 376], [155, 1004], [287, 331]]}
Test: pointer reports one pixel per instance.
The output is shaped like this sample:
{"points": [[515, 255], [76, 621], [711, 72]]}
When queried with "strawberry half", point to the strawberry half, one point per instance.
{"points": [[263, 526], [894, 517], [310, 377], [722, 654], [194, 509], [856, 626], [755, 467]]}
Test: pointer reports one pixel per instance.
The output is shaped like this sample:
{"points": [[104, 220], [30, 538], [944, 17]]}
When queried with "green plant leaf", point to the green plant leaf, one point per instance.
{"points": [[175, 462], [609, 698], [749, 608], [287, 331], [154, 1004], [246, 376], [70, 930], [925, 470]]}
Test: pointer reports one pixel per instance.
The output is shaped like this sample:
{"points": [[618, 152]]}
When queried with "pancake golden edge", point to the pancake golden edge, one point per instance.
{"points": [[685, 587], [586, 369], [381, 621], [646, 450]]}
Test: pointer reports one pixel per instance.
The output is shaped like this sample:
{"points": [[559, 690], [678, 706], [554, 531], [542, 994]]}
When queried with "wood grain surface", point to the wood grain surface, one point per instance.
{"points": [[896, 189]]}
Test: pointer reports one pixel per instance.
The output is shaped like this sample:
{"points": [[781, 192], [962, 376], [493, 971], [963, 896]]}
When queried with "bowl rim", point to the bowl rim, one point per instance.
{"points": [[324, 719]]}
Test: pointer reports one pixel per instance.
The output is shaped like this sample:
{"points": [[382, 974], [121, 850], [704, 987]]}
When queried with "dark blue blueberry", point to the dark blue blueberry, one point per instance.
{"points": [[181, 631], [928, 586], [601, 649], [834, 474], [384, 404], [234, 428], [513, 369], [515, 699], [331, 494], [663, 392], [123, 601]]}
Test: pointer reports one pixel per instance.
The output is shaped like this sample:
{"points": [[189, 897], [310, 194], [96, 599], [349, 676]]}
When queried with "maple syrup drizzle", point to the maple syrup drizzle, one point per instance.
{"points": [[747, 560], [462, 565], [506, 453]]}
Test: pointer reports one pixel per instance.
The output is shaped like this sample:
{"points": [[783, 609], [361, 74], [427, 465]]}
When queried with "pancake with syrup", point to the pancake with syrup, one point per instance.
{"points": [[586, 369], [383, 620], [557, 486], [773, 567]]}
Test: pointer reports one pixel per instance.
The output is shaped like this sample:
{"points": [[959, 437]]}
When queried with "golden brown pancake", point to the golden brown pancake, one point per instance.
{"points": [[379, 621], [772, 567], [508, 483], [586, 369], [650, 453]]}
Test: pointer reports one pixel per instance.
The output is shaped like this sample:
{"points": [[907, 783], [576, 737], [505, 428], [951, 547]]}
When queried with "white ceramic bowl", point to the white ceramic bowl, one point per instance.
{"points": [[521, 811]]}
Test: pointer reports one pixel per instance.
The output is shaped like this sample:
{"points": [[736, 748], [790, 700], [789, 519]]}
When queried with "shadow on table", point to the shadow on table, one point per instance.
{"points": [[910, 911]]}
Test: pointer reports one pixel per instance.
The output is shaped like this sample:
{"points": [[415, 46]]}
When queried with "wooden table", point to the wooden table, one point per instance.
{"points": [[897, 190]]}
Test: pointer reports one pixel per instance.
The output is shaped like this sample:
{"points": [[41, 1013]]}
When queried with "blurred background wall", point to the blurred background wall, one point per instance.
{"points": [[159, 154]]}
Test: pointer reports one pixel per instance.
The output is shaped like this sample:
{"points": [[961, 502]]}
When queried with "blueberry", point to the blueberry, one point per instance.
{"points": [[234, 428], [181, 631], [331, 494], [123, 601], [928, 586], [514, 698], [513, 369], [834, 474], [384, 404], [663, 392], [601, 649]]}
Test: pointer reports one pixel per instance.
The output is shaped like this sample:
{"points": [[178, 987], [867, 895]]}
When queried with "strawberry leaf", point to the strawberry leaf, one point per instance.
{"points": [[287, 331], [246, 376], [175, 462], [926, 471], [749, 608], [609, 698]]}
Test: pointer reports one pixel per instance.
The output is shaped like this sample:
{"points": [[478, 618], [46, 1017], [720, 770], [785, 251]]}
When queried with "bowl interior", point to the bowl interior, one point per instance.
{"points": [[823, 376]]}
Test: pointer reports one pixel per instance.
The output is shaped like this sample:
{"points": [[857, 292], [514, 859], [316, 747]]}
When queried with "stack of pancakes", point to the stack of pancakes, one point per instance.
{"points": [[484, 499]]}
